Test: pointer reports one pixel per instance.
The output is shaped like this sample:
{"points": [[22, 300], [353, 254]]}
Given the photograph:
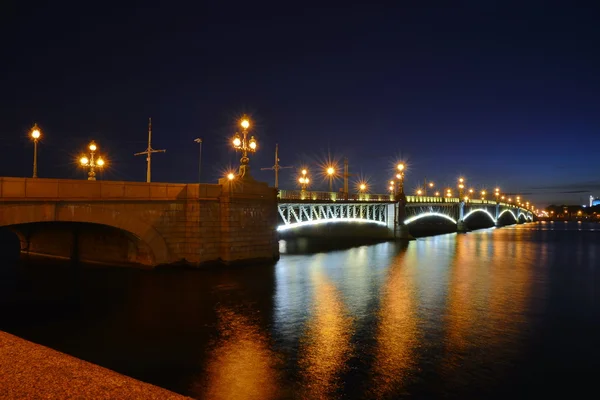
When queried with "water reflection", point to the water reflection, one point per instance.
{"points": [[325, 348], [241, 365], [397, 331], [486, 306]]}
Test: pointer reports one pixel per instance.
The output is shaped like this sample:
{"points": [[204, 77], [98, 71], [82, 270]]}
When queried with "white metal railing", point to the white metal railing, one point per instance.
{"points": [[308, 195]]}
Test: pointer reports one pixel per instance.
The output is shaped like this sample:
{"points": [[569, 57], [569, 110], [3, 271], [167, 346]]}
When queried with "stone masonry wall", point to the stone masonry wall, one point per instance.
{"points": [[194, 223]]}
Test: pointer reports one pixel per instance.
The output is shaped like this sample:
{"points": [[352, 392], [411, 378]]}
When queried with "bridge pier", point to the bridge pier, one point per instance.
{"points": [[496, 216], [401, 231], [461, 226]]}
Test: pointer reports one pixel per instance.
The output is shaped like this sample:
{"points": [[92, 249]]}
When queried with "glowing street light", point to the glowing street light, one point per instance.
{"points": [[400, 167], [437, 194], [304, 180], [362, 187], [92, 163], [419, 192], [330, 173], [461, 186], [35, 134], [483, 195], [231, 176], [241, 142]]}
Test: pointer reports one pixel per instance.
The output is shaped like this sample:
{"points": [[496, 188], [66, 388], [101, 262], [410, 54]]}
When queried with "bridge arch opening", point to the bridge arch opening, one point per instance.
{"points": [[151, 246], [430, 223], [335, 229], [10, 245], [506, 217], [479, 218], [88, 242]]}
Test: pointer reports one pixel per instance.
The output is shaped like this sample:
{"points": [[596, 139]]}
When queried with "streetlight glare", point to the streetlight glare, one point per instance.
{"points": [[253, 143], [363, 186], [304, 172], [230, 176], [430, 184], [83, 160], [330, 171], [100, 162], [245, 123], [35, 134], [237, 141], [400, 167], [93, 146]]}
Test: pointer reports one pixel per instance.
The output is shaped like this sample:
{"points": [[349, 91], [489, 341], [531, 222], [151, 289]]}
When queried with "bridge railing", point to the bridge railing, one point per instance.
{"points": [[307, 195], [332, 196]]}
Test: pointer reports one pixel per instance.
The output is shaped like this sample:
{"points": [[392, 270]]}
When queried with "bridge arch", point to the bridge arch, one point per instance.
{"points": [[18, 214], [429, 214], [510, 212], [467, 215], [328, 221]]}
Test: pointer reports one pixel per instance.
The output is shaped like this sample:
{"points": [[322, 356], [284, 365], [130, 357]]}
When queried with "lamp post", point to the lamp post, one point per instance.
{"points": [[199, 141], [35, 134], [91, 162], [330, 173], [241, 142], [461, 186], [483, 195], [304, 180], [400, 176], [497, 194]]}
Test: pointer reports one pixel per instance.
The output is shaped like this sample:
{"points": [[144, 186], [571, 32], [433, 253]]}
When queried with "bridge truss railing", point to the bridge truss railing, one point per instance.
{"points": [[306, 195], [301, 214], [332, 196]]}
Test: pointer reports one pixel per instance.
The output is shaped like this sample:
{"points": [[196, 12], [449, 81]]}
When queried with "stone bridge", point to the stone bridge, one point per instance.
{"points": [[141, 223]]}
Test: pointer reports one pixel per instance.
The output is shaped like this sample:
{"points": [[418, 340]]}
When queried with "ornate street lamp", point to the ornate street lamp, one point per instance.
{"points": [[241, 142], [92, 163], [461, 186], [35, 134], [304, 180], [400, 176]]}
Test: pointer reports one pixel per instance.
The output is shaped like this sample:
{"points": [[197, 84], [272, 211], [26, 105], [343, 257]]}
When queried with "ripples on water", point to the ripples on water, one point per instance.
{"points": [[498, 313]]}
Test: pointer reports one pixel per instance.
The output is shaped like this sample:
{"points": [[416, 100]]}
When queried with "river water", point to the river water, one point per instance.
{"points": [[498, 313]]}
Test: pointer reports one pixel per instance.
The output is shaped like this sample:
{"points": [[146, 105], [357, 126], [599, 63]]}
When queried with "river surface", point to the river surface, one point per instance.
{"points": [[498, 313]]}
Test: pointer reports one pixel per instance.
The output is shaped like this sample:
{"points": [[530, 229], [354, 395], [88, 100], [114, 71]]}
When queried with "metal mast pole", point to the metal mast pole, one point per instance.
{"points": [[149, 152], [199, 141], [149, 166], [276, 167], [346, 175]]}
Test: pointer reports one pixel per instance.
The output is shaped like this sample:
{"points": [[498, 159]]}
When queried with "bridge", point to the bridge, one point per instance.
{"points": [[387, 215], [160, 223], [141, 223]]}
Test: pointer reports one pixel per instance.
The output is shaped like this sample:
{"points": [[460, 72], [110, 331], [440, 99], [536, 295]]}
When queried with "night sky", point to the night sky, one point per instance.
{"points": [[503, 93]]}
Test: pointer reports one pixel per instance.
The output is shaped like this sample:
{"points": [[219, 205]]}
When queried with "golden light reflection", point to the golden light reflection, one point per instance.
{"points": [[486, 301], [241, 366], [325, 348], [397, 334]]}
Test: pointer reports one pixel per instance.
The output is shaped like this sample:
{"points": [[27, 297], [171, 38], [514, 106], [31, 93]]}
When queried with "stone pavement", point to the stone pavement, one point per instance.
{"points": [[30, 371]]}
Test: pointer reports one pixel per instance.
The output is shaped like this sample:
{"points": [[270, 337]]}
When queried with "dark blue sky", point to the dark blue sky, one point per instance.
{"points": [[504, 93]]}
